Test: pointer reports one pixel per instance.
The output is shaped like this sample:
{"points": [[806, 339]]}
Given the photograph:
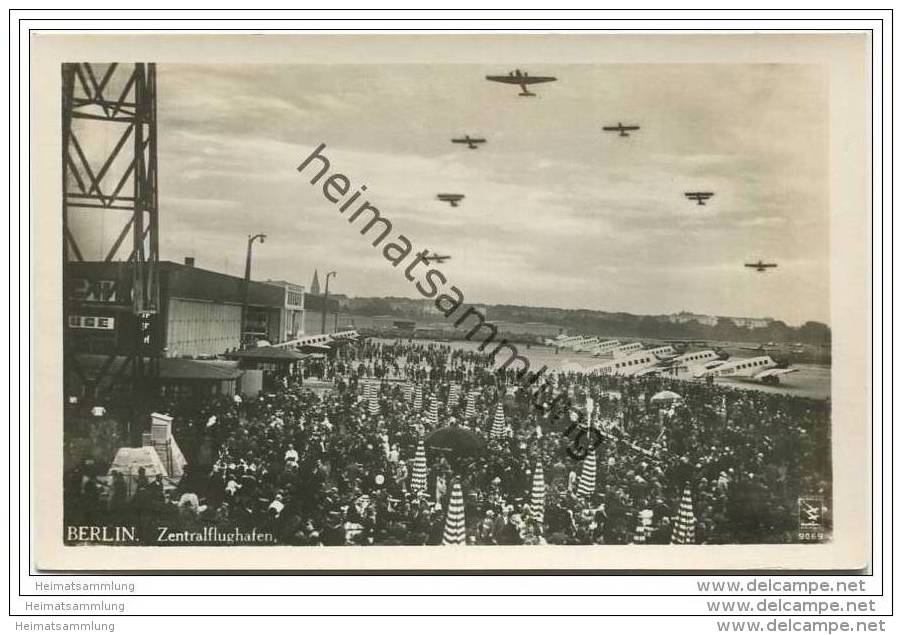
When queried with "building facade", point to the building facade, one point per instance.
{"points": [[293, 320], [200, 310]]}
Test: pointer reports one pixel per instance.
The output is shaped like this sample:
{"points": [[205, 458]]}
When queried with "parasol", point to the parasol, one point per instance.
{"points": [[458, 440]]}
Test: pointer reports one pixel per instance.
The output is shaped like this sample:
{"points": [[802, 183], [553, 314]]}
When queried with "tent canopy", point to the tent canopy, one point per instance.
{"points": [[129, 460], [666, 395]]}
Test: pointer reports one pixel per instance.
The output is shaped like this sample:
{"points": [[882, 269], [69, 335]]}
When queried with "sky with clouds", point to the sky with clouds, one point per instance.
{"points": [[557, 213]]}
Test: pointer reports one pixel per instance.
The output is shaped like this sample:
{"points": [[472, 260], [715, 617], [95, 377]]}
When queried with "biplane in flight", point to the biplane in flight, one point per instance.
{"points": [[436, 259], [698, 197], [521, 79], [454, 199], [470, 141], [623, 130], [760, 266]]}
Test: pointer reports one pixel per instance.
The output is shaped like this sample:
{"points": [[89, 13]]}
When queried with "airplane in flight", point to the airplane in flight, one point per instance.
{"points": [[760, 266], [623, 130], [521, 79], [454, 199], [470, 141], [698, 197], [436, 258]]}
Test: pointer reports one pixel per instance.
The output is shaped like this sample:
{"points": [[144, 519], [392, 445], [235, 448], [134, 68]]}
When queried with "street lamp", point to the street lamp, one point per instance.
{"points": [[247, 284], [326, 302]]}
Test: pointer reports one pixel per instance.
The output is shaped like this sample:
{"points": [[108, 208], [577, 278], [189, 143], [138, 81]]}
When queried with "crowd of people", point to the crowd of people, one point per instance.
{"points": [[336, 467]]}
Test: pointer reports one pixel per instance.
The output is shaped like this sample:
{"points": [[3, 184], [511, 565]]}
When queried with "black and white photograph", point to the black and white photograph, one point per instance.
{"points": [[449, 305]]}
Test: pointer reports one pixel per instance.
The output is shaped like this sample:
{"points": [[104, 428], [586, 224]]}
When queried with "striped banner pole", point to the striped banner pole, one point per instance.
{"points": [[418, 473], [684, 528], [537, 496], [455, 523], [586, 486]]}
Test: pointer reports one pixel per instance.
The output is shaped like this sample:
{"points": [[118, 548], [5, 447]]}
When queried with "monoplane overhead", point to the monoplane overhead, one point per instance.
{"points": [[453, 199], [521, 79], [623, 130], [436, 259], [471, 142], [698, 197], [761, 266]]}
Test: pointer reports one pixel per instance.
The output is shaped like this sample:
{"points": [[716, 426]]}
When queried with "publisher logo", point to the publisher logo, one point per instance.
{"points": [[811, 511], [811, 519]]}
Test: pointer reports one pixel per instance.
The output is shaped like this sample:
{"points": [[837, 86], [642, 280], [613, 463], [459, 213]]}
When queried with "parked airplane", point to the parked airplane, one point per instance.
{"points": [[662, 352], [454, 199], [691, 363], [560, 340], [472, 143], [521, 79], [760, 266], [586, 344], [576, 342], [698, 197], [605, 347], [763, 369], [623, 130], [627, 365], [625, 350]]}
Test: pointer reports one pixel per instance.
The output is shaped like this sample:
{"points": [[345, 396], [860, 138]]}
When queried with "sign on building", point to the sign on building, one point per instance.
{"points": [[98, 322]]}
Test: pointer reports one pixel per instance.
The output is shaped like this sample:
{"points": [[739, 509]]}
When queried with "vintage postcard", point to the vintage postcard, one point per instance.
{"points": [[434, 302]]}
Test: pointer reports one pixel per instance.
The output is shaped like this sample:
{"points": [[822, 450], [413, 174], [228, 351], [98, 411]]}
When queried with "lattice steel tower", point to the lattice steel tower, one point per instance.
{"points": [[109, 170]]}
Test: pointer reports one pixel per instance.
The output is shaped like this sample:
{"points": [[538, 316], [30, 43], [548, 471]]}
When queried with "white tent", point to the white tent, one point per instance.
{"points": [[129, 461], [665, 396]]}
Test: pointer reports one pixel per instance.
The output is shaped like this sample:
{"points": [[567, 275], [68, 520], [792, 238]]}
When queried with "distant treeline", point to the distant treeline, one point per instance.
{"points": [[602, 324]]}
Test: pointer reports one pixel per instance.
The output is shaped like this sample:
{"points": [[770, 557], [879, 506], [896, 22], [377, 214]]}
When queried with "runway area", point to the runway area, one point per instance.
{"points": [[812, 380]]}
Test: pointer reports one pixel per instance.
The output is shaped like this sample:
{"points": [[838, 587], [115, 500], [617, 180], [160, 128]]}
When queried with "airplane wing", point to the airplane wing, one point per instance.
{"points": [[775, 372], [506, 79], [535, 80], [629, 128]]}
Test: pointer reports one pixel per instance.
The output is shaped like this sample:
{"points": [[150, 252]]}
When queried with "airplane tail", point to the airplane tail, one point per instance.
{"points": [[526, 93]]}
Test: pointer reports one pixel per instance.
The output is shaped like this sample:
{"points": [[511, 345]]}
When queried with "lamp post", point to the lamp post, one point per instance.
{"points": [[247, 284], [326, 302]]}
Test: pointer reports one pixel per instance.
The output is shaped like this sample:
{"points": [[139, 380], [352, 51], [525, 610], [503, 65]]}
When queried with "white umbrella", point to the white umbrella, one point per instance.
{"points": [[665, 395]]}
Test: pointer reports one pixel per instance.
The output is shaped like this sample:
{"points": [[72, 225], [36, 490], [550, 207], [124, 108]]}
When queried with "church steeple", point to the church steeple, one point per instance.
{"points": [[314, 286]]}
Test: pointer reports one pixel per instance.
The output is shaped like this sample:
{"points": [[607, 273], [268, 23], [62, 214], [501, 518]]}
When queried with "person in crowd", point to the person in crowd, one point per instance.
{"points": [[321, 469]]}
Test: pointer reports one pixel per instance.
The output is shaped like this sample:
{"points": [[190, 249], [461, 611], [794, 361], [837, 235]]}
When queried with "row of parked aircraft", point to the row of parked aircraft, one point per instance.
{"points": [[633, 359]]}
